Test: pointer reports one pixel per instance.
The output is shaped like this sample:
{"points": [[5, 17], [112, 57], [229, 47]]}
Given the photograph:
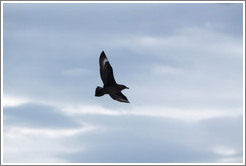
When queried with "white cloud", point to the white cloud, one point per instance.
{"points": [[71, 110], [15, 101], [230, 160], [39, 145], [186, 42], [188, 115], [228, 154], [166, 70], [18, 132], [192, 114], [43, 144], [11, 101], [224, 151]]}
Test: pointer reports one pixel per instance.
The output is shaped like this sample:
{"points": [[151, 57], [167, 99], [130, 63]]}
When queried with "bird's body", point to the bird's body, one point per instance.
{"points": [[108, 90], [110, 86]]}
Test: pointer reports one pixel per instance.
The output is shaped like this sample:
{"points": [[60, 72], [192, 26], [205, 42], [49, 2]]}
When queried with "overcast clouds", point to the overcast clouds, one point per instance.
{"points": [[182, 62]]}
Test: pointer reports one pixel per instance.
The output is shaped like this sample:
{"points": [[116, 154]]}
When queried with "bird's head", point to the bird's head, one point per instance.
{"points": [[123, 87]]}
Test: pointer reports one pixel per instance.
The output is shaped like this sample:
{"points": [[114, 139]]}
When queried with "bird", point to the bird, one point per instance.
{"points": [[110, 86]]}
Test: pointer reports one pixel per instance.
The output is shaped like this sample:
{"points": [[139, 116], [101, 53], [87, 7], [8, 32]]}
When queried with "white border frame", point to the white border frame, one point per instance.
{"points": [[4, 2]]}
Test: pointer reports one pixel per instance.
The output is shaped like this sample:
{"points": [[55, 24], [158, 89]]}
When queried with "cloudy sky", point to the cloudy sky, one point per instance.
{"points": [[182, 62]]}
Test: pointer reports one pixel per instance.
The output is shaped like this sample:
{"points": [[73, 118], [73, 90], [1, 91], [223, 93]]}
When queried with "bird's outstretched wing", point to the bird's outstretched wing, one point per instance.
{"points": [[106, 71], [119, 97]]}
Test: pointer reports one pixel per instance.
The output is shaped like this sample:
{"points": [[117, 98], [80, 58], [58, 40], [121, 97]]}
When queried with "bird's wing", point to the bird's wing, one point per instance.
{"points": [[106, 71], [119, 97]]}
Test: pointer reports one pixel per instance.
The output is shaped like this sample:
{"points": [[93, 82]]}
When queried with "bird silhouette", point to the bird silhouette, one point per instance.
{"points": [[109, 84]]}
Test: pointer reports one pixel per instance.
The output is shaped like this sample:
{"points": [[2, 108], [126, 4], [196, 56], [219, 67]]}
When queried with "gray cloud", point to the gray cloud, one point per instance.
{"points": [[114, 18], [37, 116], [143, 139]]}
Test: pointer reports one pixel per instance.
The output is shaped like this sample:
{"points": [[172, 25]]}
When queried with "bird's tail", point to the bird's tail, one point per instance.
{"points": [[98, 91]]}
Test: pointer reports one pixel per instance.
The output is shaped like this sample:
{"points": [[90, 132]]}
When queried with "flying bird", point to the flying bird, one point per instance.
{"points": [[109, 84]]}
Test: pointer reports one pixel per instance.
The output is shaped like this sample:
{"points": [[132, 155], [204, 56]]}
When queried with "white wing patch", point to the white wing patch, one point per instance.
{"points": [[121, 99], [104, 61]]}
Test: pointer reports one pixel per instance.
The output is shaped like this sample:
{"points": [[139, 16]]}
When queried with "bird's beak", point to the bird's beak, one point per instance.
{"points": [[127, 88]]}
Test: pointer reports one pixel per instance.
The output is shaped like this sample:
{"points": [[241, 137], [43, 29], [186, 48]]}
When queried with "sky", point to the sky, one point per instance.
{"points": [[183, 63]]}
